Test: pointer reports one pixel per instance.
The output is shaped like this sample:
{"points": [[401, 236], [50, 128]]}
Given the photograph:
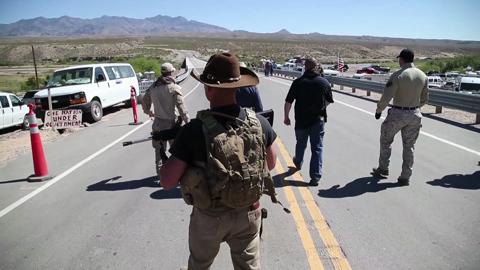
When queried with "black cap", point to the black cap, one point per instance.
{"points": [[407, 55]]}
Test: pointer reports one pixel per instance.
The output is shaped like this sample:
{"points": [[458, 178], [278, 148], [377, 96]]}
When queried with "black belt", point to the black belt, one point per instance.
{"points": [[405, 108]]}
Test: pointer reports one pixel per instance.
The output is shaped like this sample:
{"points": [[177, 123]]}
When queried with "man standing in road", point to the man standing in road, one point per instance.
{"points": [[165, 95], [311, 94], [409, 89], [232, 148]]}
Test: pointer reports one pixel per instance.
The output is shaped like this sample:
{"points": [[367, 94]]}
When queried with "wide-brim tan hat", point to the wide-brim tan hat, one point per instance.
{"points": [[223, 71]]}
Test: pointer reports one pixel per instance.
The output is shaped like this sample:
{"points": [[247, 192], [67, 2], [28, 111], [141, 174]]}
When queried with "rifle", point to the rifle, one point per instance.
{"points": [[170, 134]]}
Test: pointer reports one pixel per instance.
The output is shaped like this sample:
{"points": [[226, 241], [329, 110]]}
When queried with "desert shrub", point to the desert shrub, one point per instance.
{"points": [[142, 64]]}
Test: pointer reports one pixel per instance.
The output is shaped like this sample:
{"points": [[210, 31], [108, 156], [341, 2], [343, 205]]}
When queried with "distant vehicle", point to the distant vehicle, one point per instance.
{"points": [[435, 81], [329, 72], [468, 84], [89, 88], [292, 67], [335, 67], [381, 69], [368, 70], [13, 111], [29, 97]]}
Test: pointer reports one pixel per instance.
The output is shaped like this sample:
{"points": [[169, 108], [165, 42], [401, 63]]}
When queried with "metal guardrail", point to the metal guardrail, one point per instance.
{"points": [[438, 98]]}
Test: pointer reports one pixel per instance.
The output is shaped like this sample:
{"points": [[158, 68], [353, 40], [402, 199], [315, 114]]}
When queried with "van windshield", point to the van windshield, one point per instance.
{"points": [[71, 77], [470, 86]]}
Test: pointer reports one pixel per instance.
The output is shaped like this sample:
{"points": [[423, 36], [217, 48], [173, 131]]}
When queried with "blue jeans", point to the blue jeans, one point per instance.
{"points": [[315, 132]]}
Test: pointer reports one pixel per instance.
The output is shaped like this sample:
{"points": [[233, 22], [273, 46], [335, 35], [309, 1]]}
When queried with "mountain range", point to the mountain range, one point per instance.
{"points": [[160, 25], [105, 26]]}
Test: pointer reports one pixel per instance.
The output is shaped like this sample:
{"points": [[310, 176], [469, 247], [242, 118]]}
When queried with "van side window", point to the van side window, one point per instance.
{"points": [[4, 102], [15, 101], [119, 72], [126, 71], [112, 75], [99, 71]]}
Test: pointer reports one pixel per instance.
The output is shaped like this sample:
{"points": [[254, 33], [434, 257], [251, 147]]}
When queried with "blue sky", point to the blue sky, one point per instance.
{"points": [[439, 19]]}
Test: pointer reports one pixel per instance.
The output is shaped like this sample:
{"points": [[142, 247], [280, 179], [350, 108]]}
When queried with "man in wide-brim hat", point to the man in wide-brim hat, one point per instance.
{"points": [[239, 227]]}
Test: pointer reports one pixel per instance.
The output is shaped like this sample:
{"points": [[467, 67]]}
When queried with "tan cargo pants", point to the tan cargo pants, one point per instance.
{"points": [[239, 228], [161, 146], [409, 123]]}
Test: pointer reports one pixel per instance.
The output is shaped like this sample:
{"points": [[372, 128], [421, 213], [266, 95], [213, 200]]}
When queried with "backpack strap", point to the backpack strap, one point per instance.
{"points": [[269, 186]]}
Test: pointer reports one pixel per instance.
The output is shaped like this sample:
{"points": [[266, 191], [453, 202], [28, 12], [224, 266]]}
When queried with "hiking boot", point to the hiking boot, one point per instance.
{"points": [[403, 181], [379, 172]]}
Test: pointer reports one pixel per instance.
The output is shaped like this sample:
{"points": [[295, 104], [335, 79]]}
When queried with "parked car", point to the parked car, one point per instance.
{"points": [[381, 69], [89, 88], [467, 84], [13, 111], [368, 70], [435, 81], [29, 97]]}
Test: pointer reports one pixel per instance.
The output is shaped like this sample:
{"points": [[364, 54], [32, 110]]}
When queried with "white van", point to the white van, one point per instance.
{"points": [[435, 81], [89, 88], [468, 85], [12, 111]]}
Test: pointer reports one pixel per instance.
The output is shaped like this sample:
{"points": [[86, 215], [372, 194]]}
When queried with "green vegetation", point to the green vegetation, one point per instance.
{"points": [[450, 64], [459, 63], [142, 64]]}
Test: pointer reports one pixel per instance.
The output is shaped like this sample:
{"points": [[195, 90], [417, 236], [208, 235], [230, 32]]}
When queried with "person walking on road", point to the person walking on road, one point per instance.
{"points": [[248, 96], [409, 89], [165, 95], [220, 159], [311, 93]]}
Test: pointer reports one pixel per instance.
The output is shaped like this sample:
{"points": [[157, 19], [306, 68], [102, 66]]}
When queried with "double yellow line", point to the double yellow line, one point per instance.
{"points": [[335, 253]]}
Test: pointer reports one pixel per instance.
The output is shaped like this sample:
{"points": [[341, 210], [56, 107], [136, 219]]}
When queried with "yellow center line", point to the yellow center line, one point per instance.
{"points": [[334, 250], [307, 242]]}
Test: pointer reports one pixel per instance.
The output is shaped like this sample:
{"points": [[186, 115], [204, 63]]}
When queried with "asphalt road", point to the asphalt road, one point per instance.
{"points": [[103, 211]]}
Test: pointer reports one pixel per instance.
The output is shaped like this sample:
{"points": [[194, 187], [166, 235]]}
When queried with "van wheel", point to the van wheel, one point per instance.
{"points": [[96, 111]]}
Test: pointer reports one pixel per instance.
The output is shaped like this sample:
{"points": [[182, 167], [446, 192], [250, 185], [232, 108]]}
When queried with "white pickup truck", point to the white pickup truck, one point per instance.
{"points": [[12, 111]]}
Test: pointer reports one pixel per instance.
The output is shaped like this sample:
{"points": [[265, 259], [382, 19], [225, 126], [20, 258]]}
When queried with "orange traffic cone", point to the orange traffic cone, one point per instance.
{"points": [[39, 161], [133, 101]]}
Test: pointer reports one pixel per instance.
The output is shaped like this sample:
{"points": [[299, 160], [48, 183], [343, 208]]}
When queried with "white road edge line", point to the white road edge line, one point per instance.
{"points": [[421, 132], [67, 172], [193, 89], [49, 183]]}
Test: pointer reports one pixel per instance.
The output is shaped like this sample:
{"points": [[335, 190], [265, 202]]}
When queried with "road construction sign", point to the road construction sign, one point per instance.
{"points": [[61, 119]]}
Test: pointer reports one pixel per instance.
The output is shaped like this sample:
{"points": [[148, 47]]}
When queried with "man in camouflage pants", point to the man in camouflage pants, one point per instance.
{"points": [[165, 95], [409, 89]]}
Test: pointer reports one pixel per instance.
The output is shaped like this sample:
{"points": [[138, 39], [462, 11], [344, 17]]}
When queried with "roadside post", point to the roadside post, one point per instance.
{"points": [[39, 161], [133, 101], [50, 107]]}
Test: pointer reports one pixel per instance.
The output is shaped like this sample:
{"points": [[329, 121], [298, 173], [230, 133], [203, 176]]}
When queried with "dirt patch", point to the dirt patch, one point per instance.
{"points": [[17, 143]]}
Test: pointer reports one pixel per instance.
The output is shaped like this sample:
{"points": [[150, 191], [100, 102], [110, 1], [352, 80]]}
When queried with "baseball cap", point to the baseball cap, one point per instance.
{"points": [[167, 67], [407, 55]]}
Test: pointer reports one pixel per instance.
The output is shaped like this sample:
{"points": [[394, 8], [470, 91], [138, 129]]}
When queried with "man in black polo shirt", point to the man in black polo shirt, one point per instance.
{"points": [[311, 94], [209, 227]]}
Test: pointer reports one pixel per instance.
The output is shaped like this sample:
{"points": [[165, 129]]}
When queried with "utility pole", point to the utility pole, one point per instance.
{"points": [[35, 66]]}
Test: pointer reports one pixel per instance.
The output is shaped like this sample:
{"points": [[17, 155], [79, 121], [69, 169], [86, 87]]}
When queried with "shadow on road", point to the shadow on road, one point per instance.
{"points": [[166, 194], [108, 185], [279, 180], [461, 181], [13, 181], [356, 187]]}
